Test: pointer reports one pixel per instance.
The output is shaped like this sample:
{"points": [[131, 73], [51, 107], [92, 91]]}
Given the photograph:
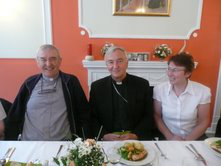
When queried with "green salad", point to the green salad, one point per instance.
{"points": [[133, 151], [216, 145]]}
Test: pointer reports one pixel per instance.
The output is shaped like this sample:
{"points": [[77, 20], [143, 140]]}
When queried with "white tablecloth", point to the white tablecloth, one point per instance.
{"points": [[27, 151]]}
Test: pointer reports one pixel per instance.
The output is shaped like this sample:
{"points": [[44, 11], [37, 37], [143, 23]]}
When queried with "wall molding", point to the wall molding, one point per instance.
{"points": [[104, 23]]}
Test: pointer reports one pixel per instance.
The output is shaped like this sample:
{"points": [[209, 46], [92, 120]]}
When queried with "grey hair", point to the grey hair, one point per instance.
{"points": [[115, 48], [48, 47]]}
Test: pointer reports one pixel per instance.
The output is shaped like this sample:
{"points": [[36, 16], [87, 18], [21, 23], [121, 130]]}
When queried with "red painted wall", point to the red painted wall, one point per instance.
{"points": [[206, 48]]}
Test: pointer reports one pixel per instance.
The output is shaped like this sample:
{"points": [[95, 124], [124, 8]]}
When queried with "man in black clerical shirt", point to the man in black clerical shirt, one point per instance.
{"points": [[121, 102]]}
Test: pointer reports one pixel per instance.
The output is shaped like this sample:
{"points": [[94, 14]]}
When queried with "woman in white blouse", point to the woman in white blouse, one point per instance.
{"points": [[2, 117], [181, 106]]}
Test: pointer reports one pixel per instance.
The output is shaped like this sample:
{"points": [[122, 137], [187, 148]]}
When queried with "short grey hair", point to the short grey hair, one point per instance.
{"points": [[48, 47], [115, 48]]}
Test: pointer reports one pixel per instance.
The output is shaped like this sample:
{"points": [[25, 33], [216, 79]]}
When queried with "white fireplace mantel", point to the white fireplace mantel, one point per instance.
{"points": [[153, 71]]}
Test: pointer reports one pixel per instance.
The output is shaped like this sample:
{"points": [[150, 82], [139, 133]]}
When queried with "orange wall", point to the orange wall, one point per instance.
{"points": [[206, 48]]}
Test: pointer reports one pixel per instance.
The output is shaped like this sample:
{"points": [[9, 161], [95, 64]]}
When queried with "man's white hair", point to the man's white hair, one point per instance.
{"points": [[48, 47], [115, 48]]}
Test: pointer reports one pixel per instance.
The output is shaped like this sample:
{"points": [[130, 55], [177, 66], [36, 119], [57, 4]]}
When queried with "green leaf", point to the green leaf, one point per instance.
{"points": [[56, 161]]}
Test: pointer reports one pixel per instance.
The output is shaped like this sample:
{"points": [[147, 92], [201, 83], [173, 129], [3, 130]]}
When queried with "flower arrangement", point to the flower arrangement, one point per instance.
{"points": [[162, 51], [83, 153], [105, 48]]}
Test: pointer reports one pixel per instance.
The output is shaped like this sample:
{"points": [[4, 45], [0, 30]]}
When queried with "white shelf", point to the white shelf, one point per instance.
{"points": [[153, 71]]}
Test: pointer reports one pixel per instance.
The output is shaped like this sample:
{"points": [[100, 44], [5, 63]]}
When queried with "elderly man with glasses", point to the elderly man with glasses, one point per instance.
{"points": [[50, 106]]}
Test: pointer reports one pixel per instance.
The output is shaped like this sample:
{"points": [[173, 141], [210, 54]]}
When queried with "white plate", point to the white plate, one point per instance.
{"points": [[209, 141], [150, 157]]}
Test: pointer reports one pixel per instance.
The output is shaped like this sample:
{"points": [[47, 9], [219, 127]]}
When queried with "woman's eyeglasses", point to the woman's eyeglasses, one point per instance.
{"points": [[174, 70]]}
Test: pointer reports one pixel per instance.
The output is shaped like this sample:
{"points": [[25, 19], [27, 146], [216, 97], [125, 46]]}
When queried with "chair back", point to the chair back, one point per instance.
{"points": [[6, 105], [218, 128]]}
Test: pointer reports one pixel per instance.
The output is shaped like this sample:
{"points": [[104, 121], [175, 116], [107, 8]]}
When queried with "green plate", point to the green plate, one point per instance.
{"points": [[14, 163]]}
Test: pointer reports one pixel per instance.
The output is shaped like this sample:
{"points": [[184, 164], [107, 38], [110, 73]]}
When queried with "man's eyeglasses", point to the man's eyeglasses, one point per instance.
{"points": [[111, 62], [174, 70], [51, 59]]}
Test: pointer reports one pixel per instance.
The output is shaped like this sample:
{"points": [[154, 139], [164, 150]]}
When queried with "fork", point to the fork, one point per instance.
{"points": [[161, 152]]}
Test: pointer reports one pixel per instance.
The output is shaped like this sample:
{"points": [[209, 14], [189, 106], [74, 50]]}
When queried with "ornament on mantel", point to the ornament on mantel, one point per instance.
{"points": [[89, 56], [105, 48], [162, 51]]}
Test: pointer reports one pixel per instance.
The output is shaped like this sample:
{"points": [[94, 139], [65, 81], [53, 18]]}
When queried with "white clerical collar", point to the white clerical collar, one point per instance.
{"points": [[119, 83], [49, 78]]}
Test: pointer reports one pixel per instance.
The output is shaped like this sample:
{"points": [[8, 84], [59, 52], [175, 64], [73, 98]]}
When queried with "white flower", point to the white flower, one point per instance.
{"points": [[78, 142]]}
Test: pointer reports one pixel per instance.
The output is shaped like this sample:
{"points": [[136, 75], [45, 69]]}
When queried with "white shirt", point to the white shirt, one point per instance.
{"points": [[180, 113], [2, 112]]}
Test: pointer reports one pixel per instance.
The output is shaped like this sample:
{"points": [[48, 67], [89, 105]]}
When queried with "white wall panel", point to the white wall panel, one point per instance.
{"points": [[24, 26], [96, 17]]}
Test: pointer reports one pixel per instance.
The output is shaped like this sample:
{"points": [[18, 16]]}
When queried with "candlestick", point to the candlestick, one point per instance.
{"points": [[89, 49]]}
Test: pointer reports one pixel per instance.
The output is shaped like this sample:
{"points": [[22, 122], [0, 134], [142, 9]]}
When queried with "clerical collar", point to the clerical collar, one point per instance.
{"points": [[49, 79], [120, 82]]}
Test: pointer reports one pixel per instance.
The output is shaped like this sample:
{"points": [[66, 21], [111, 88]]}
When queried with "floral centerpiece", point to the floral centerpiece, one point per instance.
{"points": [[105, 48], [83, 153], [162, 51]]}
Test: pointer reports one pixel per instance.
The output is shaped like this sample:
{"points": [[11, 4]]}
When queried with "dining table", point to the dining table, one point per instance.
{"points": [[176, 152]]}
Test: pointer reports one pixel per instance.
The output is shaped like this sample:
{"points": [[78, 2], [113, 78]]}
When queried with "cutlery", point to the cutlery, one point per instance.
{"points": [[109, 160], [10, 154], [200, 157], [59, 150], [3, 160], [197, 155], [99, 133], [161, 152], [7, 156]]}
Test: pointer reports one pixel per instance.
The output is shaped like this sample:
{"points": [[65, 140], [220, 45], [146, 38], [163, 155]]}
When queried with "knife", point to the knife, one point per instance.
{"points": [[200, 156], [10, 154], [59, 150]]}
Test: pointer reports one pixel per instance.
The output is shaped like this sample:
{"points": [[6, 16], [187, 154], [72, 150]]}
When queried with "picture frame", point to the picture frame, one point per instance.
{"points": [[138, 56], [141, 7]]}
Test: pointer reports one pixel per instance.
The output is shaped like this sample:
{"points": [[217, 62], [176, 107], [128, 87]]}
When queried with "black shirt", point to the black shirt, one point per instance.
{"points": [[120, 105]]}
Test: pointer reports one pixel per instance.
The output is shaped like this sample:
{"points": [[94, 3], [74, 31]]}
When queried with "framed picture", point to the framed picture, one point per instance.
{"points": [[138, 56], [141, 7]]}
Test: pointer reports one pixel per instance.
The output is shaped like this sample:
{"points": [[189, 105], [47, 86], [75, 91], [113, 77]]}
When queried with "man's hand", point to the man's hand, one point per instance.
{"points": [[111, 137], [117, 137], [129, 136]]}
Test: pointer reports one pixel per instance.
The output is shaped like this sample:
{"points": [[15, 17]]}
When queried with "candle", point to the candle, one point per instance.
{"points": [[89, 49]]}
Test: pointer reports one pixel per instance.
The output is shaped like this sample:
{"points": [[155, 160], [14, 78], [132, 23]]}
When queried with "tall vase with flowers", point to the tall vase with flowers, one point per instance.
{"points": [[162, 51]]}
